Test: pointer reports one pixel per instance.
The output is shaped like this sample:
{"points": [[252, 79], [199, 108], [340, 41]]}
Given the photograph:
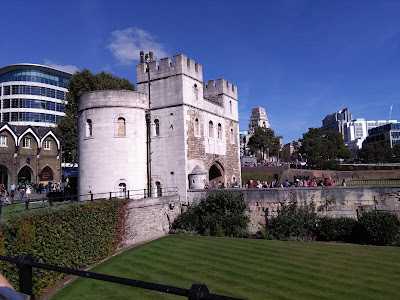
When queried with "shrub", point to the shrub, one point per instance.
{"points": [[336, 229], [379, 228], [294, 221], [220, 214], [71, 236]]}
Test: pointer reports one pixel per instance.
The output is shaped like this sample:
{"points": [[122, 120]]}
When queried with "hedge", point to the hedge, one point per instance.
{"points": [[301, 222], [73, 236]]}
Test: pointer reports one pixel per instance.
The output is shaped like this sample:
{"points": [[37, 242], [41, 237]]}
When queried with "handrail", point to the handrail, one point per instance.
{"points": [[25, 264]]}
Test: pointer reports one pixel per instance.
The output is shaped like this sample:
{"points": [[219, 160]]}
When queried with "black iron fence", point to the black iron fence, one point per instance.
{"points": [[25, 263], [60, 198]]}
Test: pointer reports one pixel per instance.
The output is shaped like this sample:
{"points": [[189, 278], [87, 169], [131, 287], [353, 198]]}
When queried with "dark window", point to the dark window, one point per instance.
{"points": [[6, 103], [157, 125]]}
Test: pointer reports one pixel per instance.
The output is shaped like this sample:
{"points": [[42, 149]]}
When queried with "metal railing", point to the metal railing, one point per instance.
{"points": [[25, 263], [374, 182], [60, 198]]}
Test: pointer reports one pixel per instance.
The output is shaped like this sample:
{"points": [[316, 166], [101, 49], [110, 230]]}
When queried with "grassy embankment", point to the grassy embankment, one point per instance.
{"points": [[249, 269]]}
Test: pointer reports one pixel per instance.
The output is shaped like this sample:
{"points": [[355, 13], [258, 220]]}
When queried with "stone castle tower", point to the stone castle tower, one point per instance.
{"points": [[178, 132]]}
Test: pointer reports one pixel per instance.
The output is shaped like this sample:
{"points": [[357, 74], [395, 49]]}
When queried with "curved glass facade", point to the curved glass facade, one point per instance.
{"points": [[32, 95], [35, 76]]}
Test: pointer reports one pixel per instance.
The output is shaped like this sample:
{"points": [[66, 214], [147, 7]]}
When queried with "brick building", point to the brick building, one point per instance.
{"points": [[28, 153]]}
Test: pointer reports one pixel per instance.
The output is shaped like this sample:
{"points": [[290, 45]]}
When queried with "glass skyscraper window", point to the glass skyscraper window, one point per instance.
{"points": [[32, 94]]}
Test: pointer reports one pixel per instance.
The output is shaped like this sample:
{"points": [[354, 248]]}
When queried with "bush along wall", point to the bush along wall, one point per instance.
{"points": [[220, 214], [302, 223], [73, 236]]}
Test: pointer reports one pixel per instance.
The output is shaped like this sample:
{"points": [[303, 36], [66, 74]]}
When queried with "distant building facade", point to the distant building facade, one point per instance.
{"points": [[32, 95], [258, 118], [337, 120], [356, 131], [179, 133], [386, 133], [28, 154]]}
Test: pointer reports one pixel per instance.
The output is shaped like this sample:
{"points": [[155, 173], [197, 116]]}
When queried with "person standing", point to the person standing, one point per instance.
{"points": [[12, 192], [21, 192]]}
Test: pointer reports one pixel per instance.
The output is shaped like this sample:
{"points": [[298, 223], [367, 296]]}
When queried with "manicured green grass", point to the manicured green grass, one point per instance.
{"points": [[14, 209], [249, 269]]}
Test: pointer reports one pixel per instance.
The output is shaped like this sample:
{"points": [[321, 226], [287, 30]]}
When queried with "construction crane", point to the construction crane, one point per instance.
{"points": [[390, 113]]}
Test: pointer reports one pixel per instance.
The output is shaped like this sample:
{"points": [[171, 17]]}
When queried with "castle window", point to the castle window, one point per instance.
{"points": [[3, 141], [89, 128], [157, 127], [230, 107], [121, 127], [196, 127], [211, 129], [47, 145], [219, 131], [27, 143], [232, 136], [196, 93]]}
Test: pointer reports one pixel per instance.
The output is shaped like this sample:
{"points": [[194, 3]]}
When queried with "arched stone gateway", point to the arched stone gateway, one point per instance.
{"points": [[25, 174], [4, 176], [216, 173]]}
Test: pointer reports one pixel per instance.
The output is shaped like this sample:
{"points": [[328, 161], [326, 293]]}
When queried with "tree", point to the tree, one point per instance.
{"points": [[323, 148], [82, 82], [264, 141], [376, 153]]}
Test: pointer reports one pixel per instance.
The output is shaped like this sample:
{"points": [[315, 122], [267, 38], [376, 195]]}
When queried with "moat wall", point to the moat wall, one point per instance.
{"points": [[330, 201], [151, 218]]}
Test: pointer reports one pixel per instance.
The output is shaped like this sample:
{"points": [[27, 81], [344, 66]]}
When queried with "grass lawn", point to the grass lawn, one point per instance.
{"points": [[14, 209], [249, 269]]}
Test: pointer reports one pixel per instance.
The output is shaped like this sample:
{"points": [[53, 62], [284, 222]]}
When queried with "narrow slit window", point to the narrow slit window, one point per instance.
{"points": [[157, 127], [89, 128]]}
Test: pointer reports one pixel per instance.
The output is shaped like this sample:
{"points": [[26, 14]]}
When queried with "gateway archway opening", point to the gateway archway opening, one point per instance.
{"points": [[216, 173], [4, 176], [25, 175]]}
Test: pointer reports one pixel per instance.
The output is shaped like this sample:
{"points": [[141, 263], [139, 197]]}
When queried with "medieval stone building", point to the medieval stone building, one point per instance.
{"points": [[28, 154], [175, 131]]}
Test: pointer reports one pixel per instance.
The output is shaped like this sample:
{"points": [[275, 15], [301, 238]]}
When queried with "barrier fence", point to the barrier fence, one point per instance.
{"points": [[61, 198], [25, 263]]}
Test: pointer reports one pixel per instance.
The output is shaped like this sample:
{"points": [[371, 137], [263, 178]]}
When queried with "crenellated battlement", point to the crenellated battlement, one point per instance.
{"points": [[221, 86], [179, 65]]}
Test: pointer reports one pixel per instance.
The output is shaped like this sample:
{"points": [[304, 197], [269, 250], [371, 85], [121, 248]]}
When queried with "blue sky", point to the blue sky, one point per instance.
{"points": [[300, 60]]}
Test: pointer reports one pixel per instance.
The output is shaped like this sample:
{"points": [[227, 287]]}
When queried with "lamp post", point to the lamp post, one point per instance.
{"points": [[147, 59]]}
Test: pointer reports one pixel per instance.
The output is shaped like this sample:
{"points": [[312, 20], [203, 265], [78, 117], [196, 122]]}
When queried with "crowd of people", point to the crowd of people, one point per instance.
{"points": [[25, 189], [305, 182]]}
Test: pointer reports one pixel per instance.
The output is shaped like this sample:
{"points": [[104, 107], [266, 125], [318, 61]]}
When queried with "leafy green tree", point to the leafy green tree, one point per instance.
{"points": [[376, 153], [323, 148], [82, 82], [396, 153], [264, 141]]}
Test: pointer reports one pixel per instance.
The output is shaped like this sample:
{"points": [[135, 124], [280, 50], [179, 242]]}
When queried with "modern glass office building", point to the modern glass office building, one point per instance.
{"points": [[32, 94]]}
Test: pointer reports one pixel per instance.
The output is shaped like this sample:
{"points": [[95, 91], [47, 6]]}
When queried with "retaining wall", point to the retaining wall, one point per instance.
{"points": [[330, 201], [149, 219]]}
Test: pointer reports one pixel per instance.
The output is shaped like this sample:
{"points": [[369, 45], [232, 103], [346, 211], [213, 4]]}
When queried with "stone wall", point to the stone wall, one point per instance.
{"points": [[149, 219], [334, 201]]}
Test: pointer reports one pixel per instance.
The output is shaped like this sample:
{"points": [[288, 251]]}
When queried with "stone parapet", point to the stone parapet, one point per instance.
{"points": [[113, 98]]}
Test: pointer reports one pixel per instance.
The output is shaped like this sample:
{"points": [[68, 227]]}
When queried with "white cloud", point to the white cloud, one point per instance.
{"points": [[66, 68], [126, 44]]}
